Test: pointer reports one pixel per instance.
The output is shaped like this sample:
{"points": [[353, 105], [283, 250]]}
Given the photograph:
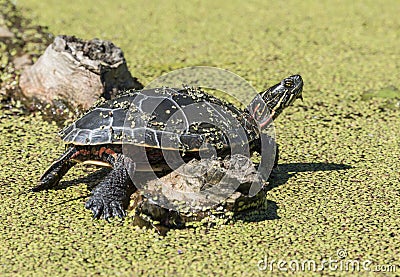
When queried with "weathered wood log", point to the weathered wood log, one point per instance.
{"points": [[198, 191], [77, 72]]}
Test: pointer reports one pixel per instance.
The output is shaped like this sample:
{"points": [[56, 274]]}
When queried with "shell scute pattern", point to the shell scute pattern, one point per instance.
{"points": [[161, 118]]}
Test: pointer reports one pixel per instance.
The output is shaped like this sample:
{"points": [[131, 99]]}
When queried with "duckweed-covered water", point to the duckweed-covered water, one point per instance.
{"points": [[335, 196]]}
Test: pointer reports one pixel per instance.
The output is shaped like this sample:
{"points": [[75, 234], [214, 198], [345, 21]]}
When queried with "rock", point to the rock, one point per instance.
{"points": [[199, 191], [77, 72]]}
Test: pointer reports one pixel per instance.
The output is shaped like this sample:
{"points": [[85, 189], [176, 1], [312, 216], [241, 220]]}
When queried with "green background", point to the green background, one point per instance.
{"points": [[337, 188]]}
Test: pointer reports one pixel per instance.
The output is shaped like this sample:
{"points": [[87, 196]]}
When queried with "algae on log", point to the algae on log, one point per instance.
{"points": [[206, 191], [76, 73]]}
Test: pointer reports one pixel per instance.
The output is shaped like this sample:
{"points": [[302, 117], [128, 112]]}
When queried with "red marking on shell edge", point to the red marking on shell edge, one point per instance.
{"points": [[107, 151], [101, 151], [110, 151], [82, 152]]}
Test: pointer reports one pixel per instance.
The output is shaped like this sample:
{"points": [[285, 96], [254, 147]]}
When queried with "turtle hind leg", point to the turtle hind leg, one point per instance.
{"points": [[111, 196], [56, 171]]}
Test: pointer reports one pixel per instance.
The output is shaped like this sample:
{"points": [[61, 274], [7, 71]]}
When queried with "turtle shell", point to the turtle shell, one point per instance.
{"points": [[182, 119]]}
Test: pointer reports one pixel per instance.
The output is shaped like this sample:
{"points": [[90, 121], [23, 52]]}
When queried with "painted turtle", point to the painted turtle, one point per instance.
{"points": [[154, 124]]}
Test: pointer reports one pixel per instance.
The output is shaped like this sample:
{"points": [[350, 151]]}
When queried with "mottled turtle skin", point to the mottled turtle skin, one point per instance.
{"points": [[187, 121]]}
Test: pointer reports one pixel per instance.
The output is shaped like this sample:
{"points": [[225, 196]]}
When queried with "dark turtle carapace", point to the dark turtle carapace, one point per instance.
{"points": [[154, 122]]}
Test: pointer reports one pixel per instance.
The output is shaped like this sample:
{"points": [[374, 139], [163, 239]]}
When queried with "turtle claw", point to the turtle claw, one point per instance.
{"points": [[117, 210], [105, 208], [95, 206], [114, 209]]}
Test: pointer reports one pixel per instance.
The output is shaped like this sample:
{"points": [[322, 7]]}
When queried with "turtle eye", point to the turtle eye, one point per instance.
{"points": [[288, 83]]}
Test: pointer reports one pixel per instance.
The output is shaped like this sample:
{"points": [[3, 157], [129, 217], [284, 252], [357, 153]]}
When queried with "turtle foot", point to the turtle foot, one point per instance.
{"points": [[47, 181], [111, 197], [52, 176], [104, 207]]}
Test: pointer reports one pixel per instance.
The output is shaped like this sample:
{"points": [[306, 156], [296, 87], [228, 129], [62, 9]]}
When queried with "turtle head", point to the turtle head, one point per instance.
{"points": [[283, 94], [271, 102]]}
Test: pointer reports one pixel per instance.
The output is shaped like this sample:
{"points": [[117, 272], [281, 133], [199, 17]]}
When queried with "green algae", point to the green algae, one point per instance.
{"points": [[386, 93], [338, 181], [24, 45], [389, 96]]}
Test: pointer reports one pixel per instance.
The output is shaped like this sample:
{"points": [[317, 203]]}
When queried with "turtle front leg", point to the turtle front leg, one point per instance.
{"points": [[52, 176], [111, 196]]}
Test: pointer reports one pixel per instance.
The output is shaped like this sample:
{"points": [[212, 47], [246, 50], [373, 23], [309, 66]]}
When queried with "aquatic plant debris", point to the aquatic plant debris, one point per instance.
{"points": [[337, 187]]}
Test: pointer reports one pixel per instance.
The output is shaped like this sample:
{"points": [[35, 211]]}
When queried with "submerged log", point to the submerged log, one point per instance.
{"points": [[76, 73], [210, 191]]}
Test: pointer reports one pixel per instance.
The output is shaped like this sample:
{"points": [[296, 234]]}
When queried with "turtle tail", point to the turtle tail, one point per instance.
{"points": [[57, 170]]}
